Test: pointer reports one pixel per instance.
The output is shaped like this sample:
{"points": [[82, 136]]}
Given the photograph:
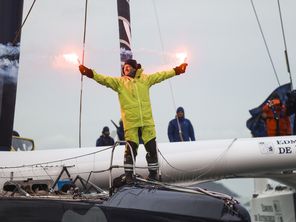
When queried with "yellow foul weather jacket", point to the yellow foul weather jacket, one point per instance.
{"points": [[133, 94]]}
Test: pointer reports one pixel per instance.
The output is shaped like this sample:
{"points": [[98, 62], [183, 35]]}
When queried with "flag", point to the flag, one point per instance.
{"points": [[256, 124]]}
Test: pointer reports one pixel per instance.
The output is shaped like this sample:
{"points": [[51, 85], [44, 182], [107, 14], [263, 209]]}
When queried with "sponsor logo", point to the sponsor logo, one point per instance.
{"points": [[286, 142], [266, 147], [278, 147], [286, 146], [94, 214], [266, 208], [285, 150]]}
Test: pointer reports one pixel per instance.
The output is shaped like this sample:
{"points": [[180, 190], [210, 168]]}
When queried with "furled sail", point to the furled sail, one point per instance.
{"points": [[10, 22], [123, 9]]}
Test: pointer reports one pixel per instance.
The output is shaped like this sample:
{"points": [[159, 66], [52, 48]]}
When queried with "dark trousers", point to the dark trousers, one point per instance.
{"points": [[151, 157]]}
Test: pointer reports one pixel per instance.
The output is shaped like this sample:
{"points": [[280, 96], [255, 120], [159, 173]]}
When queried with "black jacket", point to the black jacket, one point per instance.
{"points": [[105, 141]]}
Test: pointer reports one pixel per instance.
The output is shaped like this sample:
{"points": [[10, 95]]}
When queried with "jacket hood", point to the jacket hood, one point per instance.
{"points": [[139, 73], [180, 109], [105, 129]]}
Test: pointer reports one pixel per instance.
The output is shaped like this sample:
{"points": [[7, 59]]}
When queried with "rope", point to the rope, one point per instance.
{"points": [[285, 44], [219, 158], [206, 169], [55, 161], [164, 60], [265, 43], [196, 190], [81, 80], [21, 27]]}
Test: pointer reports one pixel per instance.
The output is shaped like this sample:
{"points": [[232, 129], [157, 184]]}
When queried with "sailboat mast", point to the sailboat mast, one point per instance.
{"points": [[10, 21], [123, 9]]}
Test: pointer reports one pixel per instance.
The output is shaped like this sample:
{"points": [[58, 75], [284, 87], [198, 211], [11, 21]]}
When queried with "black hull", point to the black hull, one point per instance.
{"points": [[128, 204], [28, 210]]}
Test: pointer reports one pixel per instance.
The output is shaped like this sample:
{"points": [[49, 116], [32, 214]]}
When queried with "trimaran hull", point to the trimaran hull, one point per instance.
{"points": [[180, 162]]}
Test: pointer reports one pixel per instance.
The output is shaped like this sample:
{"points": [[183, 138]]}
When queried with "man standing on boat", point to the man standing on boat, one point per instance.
{"points": [[136, 112]]}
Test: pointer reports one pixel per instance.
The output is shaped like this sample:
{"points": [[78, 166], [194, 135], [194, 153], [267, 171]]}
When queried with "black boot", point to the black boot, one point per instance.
{"points": [[152, 160], [128, 161], [129, 178], [153, 175]]}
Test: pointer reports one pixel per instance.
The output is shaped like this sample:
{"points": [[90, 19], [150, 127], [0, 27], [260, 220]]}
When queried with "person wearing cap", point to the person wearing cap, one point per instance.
{"points": [[180, 128], [276, 117], [105, 139], [136, 112]]}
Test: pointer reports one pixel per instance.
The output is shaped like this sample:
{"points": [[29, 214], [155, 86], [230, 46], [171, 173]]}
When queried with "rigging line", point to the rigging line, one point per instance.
{"points": [[50, 177], [196, 190], [207, 168], [164, 60], [285, 44], [178, 169], [81, 80], [265, 43], [60, 160], [162, 49], [21, 27], [219, 158]]}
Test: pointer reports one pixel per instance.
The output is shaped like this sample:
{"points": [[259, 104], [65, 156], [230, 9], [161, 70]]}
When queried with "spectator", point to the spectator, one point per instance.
{"points": [[276, 117], [258, 128], [180, 128], [105, 139]]}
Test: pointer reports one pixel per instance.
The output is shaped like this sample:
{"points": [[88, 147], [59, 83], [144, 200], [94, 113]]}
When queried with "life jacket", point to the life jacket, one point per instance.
{"points": [[277, 121]]}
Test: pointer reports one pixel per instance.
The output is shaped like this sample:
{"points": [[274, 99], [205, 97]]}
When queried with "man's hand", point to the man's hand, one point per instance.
{"points": [[86, 71], [181, 68]]}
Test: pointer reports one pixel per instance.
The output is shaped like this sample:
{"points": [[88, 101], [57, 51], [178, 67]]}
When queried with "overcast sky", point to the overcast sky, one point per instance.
{"points": [[229, 70]]}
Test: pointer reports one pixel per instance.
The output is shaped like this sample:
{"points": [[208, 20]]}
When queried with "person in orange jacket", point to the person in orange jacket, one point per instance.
{"points": [[277, 121]]}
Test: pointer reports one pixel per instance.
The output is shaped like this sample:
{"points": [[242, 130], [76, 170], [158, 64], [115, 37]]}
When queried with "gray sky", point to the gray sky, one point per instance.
{"points": [[229, 71]]}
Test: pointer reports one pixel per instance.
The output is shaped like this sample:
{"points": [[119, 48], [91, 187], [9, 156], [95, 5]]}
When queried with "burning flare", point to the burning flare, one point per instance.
{"points": [[72, 58], [182, 57]]}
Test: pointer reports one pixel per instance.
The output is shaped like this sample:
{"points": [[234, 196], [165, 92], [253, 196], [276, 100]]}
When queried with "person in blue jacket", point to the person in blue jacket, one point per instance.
{"points": [[180, 128]]}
